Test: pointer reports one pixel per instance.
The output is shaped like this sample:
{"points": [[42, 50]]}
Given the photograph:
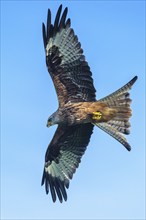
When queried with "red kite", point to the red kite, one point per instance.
{"points": [[78, 110]]}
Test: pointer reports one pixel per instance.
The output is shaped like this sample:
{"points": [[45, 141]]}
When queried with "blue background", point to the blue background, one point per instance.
{"points": [[110, 182]]}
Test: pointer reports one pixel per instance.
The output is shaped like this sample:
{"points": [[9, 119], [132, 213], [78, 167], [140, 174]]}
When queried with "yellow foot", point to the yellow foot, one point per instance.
{"points": [[96, 115]]}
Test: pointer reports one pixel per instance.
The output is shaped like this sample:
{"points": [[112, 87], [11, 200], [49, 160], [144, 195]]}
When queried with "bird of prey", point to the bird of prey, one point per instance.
{"points": [[78, 109]]}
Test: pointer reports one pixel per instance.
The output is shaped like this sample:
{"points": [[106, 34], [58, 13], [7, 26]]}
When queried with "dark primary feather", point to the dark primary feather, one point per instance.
{"points": [[63, 157], [44, 35], [48, 24], [57, 20], [65, 61], [63, 18]]}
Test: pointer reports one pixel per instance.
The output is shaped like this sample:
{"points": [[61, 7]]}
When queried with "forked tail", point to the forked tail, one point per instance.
{"points": [[119, 125]]}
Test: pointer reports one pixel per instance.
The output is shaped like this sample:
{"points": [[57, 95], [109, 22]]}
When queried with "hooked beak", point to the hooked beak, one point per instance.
{"points": [[49, 124]]}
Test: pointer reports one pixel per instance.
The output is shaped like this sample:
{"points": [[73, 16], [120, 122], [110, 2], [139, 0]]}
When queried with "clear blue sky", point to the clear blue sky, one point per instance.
{"points": [[110, 181]]}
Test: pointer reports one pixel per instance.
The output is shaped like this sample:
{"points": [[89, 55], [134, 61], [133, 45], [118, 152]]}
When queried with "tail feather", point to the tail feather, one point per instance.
{"points": [[118, 100], [119, 125], [122, 127], [122, 91], [114, 133]]}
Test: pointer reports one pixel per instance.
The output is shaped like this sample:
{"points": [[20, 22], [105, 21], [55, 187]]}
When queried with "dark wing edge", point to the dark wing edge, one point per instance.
{"points": [[65, 60], [63, 157]]}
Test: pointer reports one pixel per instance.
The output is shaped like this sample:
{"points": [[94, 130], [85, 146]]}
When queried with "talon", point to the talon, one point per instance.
{"points": [[97, 115]]}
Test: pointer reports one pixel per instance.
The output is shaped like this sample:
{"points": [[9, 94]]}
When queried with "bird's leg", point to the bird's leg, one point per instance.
{"points": [[97, 115]]}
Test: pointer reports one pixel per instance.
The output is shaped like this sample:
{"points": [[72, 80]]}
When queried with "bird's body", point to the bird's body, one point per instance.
{"points": [[85, 112], [78, 109]]}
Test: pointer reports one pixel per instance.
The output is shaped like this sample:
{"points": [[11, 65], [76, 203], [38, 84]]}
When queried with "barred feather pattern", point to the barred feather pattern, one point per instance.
{"points": [[114, 133], [119, 125], [120, 93]]}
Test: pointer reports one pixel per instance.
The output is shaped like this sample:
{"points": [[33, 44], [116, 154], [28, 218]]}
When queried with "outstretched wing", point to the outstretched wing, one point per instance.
{"points": [[63, 157], [65, 61]]}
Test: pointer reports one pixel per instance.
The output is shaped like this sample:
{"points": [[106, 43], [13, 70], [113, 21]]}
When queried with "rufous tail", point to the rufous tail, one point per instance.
{"points": [[119, 125]]}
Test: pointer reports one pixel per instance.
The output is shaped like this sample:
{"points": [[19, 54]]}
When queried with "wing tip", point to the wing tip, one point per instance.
{"points": [[49, 13], [44, 35], [51, 29], [49, 17], [66, 10], [43, 178], [60, 7], [55, 186]]}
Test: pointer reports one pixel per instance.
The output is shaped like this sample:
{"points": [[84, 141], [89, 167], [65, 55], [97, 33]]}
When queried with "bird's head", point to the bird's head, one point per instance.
{"points": [[53, 119], [50, 121]]}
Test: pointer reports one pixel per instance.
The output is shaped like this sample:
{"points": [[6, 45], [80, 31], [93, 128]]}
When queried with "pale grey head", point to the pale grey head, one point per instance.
{"points": [[53, 119]]}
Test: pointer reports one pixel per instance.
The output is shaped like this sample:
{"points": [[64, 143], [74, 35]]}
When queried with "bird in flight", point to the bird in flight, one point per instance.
{"points": [[78, 110]]}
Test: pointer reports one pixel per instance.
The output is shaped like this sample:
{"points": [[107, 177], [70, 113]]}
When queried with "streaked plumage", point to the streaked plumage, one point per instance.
{"points": [[78, 110]]}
